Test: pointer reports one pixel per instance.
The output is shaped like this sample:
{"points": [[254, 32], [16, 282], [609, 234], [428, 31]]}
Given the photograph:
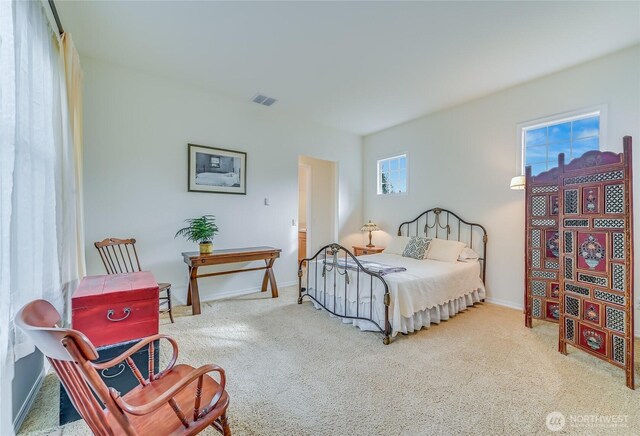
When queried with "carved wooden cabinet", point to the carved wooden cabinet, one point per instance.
{"points": [[579, 254], [596, 231], [542, 286]]}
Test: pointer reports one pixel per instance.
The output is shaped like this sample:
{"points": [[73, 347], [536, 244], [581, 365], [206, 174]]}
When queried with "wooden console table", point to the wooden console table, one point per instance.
{"points": [[232, 255]]}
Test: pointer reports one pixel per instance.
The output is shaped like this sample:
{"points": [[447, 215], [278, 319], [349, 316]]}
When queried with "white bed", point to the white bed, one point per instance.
{"points": [[376, 296], [429, 291], [218, 179]]}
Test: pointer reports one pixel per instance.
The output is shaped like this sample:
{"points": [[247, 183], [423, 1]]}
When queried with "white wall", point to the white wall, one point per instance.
{"points": [[463, 158], [137, 128]]}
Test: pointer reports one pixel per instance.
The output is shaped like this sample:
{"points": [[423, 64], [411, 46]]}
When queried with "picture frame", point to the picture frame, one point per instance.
{"points": [[216, 170]]}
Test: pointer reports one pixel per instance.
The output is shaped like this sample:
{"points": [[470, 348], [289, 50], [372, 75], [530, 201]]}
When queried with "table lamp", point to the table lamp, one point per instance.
{"points": [[518, 182], [369, 227]]}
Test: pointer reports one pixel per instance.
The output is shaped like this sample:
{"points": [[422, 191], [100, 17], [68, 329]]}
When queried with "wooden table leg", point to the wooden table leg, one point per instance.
{"points": [[195, 294], [272, 278], [189, 289], [265, 279]]}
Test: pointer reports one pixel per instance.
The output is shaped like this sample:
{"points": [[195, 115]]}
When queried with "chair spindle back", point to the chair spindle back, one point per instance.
{"points": [[119, 256]]}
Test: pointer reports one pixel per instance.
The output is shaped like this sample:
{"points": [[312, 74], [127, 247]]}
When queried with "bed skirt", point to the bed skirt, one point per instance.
{"points": [[419, 320]]}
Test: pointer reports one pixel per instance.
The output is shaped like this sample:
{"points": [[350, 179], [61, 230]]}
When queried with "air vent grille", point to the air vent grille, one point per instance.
{"points": [[263, 100]]}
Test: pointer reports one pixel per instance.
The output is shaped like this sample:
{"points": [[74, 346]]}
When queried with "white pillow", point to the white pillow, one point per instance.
{"points": [[397, 245], [445, 251], [468, 255]]}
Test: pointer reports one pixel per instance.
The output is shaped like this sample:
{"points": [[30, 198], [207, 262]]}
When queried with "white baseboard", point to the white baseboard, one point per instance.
{"points": [[28, 402], [510, 305], [504, 303], [233, 293]]}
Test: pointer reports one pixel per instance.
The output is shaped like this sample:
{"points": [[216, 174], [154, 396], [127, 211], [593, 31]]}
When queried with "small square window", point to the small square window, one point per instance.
{"points": [[392, 175], [573, 136]]}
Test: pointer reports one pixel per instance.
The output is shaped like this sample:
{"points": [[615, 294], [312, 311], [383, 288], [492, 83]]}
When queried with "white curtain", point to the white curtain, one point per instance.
{"points": [[38, 181], [7, 157], [71, 217]]}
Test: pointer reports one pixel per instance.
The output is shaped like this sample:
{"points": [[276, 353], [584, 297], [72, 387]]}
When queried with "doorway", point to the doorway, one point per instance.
{"points": [[317, 205]]}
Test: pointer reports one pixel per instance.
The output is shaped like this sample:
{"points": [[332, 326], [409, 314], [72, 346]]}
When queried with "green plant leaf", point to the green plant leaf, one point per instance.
{"points": [[199, 229]]}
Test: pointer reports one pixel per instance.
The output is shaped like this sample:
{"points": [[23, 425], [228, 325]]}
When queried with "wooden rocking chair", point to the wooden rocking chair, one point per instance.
{"points": [[119, 256], [169, 402]]}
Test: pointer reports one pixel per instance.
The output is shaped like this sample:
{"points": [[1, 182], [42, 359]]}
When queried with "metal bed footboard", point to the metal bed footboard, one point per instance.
{"points": [[333, 258]]}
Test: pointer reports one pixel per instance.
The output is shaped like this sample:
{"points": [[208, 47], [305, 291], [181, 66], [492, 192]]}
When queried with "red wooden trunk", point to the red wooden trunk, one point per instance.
{"points": [[115, 308]]}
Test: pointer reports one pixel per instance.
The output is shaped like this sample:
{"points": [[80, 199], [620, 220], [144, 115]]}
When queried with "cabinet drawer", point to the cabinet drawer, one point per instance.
{"points": [[110, 323]]}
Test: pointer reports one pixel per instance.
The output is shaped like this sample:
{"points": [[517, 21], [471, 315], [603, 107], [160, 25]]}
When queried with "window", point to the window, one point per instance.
{"points": [[571, 135], [392, 175]]}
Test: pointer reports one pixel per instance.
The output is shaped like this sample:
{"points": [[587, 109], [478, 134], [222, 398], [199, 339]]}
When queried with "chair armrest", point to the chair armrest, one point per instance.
{"points": [[116, 360], [161, 400]]}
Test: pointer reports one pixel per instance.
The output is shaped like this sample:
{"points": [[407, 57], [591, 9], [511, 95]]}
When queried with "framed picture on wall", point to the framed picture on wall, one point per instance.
{"points": [[217, 170]]}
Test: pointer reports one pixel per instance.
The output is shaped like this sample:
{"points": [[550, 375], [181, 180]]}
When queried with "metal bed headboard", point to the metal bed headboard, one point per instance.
{"points": [[444, 224]]}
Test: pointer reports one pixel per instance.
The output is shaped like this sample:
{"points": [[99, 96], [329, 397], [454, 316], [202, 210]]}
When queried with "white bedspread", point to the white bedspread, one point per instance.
{"points": [[218, 179], [422, 292]]}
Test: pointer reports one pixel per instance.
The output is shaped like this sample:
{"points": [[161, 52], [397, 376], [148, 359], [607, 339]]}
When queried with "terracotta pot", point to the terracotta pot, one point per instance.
{"points": [[206, 247]]}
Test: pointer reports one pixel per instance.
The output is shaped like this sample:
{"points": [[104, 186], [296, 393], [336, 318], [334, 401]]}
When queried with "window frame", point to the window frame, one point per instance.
{"points": [[378, 173], [521, 128]]}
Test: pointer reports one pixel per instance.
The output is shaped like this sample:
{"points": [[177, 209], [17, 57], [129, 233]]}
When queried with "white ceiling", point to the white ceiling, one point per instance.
{"points": [[356, 66]]}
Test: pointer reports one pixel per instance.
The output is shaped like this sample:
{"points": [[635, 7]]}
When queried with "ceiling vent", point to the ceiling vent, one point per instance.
{"points": [[263, 100]]}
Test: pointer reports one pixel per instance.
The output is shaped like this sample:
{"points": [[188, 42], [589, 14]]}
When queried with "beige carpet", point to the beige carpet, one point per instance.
{"points": [[292, 370]]}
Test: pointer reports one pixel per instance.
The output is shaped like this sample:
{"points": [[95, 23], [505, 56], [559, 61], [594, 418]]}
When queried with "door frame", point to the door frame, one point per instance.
{"points": [[309, 187]]}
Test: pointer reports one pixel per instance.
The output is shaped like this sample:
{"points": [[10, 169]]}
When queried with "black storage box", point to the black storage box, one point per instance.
{"points": [[119, 377]]}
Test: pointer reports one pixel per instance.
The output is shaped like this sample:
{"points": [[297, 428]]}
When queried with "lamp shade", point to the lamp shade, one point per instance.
{"points": [[369, 227], [518, 182]]}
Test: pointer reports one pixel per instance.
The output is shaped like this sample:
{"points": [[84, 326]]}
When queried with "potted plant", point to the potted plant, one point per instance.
{"points": [[200, 230]]}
